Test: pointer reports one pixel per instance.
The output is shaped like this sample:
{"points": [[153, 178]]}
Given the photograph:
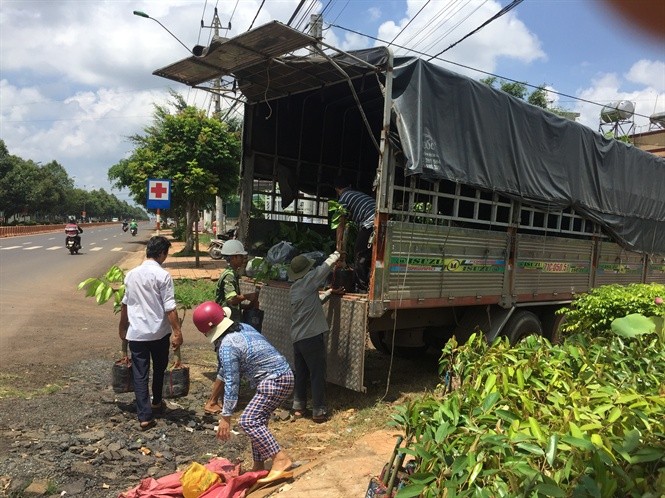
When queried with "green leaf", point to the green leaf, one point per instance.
{"points": [[550, 490], [410, 491], [531, 448], [550, 452]]}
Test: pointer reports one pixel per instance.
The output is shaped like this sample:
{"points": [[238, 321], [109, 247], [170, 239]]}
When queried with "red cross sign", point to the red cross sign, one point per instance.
{"points": [[159, 194]]}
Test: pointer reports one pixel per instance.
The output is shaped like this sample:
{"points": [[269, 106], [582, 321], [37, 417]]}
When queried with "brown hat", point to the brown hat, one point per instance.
{"points": [[299, 266]]}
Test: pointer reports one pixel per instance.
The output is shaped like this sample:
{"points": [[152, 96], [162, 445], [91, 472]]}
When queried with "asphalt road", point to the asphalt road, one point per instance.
{"points": [[44, 319]]}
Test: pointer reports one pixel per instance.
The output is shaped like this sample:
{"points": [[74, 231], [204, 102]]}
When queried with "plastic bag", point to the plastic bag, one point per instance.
{"points": [[317, 256], [282, 252], [196, 480]]}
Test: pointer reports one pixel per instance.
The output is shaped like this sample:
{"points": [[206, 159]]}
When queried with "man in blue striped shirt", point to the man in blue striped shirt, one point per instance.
{"points": [[361, 208]]}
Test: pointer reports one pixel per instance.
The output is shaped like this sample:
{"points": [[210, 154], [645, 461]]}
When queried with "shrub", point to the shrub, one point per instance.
{"points": [[585, 418], [595, 311]]}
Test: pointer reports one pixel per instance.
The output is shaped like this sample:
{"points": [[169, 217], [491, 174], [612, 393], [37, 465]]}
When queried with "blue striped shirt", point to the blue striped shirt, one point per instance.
{"points": [[361, 207], [246, 353]]}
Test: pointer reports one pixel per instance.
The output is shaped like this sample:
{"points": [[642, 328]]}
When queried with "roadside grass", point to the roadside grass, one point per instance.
{"points": [[13, 386]]}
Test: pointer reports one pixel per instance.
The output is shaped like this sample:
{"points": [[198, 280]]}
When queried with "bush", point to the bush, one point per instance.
{"points": [[595, 311], [585, 418]]}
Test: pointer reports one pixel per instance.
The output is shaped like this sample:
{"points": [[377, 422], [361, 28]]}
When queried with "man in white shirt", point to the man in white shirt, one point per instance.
{"points": [[149, 322]]}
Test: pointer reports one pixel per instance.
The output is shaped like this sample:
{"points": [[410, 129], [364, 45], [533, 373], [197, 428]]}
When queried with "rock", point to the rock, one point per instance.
{"points": [[75, 488], [36, 488]]}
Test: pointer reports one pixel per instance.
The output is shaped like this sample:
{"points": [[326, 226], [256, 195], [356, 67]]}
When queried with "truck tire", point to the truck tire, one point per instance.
{"points": [[377, 337], [522, 324], [552, 327]]}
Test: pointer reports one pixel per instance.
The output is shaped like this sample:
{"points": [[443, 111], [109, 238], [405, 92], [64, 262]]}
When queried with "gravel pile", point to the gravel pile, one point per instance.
{"points": [[84, 439]]}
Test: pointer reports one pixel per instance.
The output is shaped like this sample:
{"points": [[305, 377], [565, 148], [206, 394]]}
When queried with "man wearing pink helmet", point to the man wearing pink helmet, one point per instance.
{"points": [[244, 352]]}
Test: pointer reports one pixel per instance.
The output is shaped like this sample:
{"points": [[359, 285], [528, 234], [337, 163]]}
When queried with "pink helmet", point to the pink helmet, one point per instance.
{"points": [[207, 315]]}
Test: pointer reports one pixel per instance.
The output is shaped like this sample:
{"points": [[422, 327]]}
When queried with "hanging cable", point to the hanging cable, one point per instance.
{"points": [[535, 87], [410, 21], [257, 15], [496, 16], [295, 12]]}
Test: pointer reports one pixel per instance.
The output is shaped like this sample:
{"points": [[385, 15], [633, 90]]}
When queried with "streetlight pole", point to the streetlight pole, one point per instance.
{"points": [[143, 14]]}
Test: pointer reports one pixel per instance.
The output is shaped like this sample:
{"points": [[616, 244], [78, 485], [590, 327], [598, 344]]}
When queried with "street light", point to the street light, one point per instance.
{"points": [[143, 14]]}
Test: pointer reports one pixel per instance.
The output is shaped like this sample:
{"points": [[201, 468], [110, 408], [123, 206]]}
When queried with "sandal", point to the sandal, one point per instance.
{"points": [[299, 413], [159, 408], [320, 418], [147, 424], [215, 411]]}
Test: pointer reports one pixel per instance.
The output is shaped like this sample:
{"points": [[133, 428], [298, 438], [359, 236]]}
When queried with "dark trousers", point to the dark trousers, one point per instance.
{"points": [[142, 353], [310, 363], [362, 259]]}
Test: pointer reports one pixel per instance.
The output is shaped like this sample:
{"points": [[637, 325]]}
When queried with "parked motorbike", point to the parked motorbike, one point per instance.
{"points": [[72, 244], [215, 246]]}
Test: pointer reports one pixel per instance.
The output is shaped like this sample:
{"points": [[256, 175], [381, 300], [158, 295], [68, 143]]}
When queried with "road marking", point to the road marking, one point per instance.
{"points": [[116, 249], [10, 247], [54, 248], [105, 238], [93, 243], [32, 248], [96, 249]]}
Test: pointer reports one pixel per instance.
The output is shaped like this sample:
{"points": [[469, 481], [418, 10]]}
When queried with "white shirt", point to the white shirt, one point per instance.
{"points": [[149, 295]]}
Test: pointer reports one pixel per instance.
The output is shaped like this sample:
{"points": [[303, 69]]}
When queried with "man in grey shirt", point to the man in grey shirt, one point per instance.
{"points": [[308, 326]]}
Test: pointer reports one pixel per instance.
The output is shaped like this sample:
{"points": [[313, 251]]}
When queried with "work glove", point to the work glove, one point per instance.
{"points": [[332, 259], [325, 295]]}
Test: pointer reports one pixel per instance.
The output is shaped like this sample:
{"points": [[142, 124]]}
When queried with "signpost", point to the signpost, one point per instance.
{"points": [[159, 196]]}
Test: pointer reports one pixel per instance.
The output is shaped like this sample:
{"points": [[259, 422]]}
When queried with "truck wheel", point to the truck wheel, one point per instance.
{"points": [[552, 327], [377, 338], [522, 324]]}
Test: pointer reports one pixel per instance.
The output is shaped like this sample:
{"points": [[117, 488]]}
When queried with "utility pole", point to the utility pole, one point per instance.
{"points": [[217, 86]]}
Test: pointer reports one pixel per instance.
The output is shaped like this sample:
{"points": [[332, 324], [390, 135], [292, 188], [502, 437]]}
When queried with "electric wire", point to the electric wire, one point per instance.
{"points": [[295, 12], [257, 15], [410, 21], [426, 37], [496, 16], [488, 73]]}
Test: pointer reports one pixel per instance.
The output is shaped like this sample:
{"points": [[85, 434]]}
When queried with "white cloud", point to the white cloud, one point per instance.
{"points": [[608, 88], [438, 26], [648, 73]]}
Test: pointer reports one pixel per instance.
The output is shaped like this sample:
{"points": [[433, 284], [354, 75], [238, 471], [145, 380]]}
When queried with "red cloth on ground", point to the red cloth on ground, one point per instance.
{"points": [[234, 484]]}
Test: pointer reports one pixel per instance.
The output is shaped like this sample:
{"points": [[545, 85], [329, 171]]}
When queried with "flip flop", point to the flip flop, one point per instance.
{"points": [[212, 412], [271, 478], [275, 476]]}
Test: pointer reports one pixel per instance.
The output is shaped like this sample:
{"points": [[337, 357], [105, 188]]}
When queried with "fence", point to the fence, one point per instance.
{"points": [[12, 231]]}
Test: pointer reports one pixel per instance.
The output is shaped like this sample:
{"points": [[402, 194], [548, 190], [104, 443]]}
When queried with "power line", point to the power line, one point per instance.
{"points": [[536, 87], [502, 12], [257, 15]]}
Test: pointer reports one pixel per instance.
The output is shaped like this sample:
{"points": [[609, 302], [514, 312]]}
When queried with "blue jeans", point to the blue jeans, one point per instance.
{"points": [[310, 365], [142, 352]]}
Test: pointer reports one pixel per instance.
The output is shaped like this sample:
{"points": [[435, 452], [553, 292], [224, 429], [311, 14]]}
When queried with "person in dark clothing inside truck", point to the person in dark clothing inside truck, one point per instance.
{"points": [[361, 208]]}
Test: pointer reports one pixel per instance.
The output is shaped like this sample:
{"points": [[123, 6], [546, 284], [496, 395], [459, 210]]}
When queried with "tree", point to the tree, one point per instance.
{"points": [[519, 90], [200, 155]]}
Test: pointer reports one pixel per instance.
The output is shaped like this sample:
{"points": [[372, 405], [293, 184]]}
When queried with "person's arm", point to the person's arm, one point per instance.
{"points": [[124, 322], [176, 332], [317, 277]]}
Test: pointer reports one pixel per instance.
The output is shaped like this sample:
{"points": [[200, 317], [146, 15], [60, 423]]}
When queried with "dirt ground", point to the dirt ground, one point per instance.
{"points": [[62, 428]]}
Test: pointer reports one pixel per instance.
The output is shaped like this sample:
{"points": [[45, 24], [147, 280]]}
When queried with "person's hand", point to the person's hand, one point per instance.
{"points": [[176, 340], [224, 428]]}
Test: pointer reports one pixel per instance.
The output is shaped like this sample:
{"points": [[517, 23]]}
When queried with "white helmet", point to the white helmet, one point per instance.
{"points": [[233, 247]]}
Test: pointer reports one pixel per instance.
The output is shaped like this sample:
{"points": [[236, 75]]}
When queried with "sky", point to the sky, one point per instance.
{"points": [[76, 75]]}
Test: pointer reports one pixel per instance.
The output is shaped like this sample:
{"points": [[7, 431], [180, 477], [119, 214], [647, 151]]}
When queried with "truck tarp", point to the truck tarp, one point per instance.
{"points": [[455, 128]]}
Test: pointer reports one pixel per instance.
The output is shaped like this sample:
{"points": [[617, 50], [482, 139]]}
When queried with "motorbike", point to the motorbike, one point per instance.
{"points": [[72, 244], [125, 227], [133, 231], [215, 246]]}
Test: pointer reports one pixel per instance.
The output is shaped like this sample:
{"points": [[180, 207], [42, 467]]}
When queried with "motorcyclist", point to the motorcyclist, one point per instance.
{"points": [[72, 229], [133, 226], [125, 225]]}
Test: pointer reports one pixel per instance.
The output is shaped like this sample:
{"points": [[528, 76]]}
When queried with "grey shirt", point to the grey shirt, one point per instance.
{"points": [[307, 317]]}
